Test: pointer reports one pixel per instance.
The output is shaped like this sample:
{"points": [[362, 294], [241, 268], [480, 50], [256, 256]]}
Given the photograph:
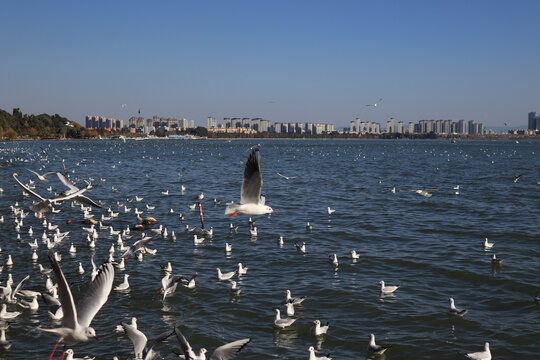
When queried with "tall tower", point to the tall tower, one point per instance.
{"points": [[532, 121]]}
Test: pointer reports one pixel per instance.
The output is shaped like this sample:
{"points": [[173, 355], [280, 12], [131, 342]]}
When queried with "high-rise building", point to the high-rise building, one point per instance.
{"points": [[211, 123], [472, 128]]}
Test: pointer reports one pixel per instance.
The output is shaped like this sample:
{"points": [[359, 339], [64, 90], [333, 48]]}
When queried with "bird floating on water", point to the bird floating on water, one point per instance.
{"points": [[454, 310], [481, 355]]}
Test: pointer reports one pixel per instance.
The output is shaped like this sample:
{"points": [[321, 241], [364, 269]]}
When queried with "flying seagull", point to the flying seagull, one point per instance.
{"points": [[74, 190], [43, 202], [251, 201], [376, 104], [287, 177], [42, 177], [76, 320], [224, 352], [141, 345]]}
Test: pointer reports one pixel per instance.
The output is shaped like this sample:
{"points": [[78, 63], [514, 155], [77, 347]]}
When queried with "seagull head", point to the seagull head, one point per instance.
{"points": [[90, 332]]}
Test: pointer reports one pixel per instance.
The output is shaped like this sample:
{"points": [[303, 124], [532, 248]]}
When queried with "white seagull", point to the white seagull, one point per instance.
{"points": [[373, 348], [488, 245], [481, 355], [454, 310], [76, 320], [375, 104], [282, 323], [251, 201], [294, 300], [319, 330], [312, 355], [225, 276], [124, 285], [141, 346], [224, 352], [42, 178], [385, 290]]}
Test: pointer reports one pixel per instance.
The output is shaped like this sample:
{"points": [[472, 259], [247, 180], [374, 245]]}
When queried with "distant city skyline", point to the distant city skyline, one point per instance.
{"points": [[301, 61]]}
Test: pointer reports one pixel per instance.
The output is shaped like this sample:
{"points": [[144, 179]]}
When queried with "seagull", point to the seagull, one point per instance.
{"points": [[287, 177], [385, 290], [242, 270], [488, 245], [282, 323], [235, 289], [4, 344], [224, 352], [312, 355], [320, 330], [496, 261], [516, 178], [294, 300], [482, 355], [333, 260], [8, 315], [375, 104], [124, 285], [42, 178], [426, 192], [76, 322], [374, 348], [301, 248], [309, 227], [251, 201], [225, 276], [454, 310], [228, 247], [330, 211], [354, 255], [44, 203], [69, 356], [290, 308], [141, 346]]}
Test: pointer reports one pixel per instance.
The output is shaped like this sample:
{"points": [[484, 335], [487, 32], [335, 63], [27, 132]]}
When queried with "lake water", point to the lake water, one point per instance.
{"points": [[431, 246]]}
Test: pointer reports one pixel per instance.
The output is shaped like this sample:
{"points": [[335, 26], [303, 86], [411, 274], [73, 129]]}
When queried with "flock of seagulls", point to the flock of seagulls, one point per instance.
{"points": [[77, 316]]}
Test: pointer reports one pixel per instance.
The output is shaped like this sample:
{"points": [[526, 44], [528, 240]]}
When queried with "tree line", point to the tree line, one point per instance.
{"points": [[43, 126]]}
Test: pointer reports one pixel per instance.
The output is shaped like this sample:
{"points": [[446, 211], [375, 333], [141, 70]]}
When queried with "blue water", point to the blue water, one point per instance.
{"points": [[431, 247]]}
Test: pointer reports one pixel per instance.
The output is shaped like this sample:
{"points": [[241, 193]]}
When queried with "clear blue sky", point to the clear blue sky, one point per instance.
{"points": [[319, 61]]}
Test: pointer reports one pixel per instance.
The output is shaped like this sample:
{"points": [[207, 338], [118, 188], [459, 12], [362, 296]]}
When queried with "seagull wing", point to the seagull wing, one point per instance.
{"points": [[20, 285], [86, 200], [97, 294], [184, 344], [27, 189], [230, 350], [137, 337], [156, 341], [67, 182], [33, 172], [251, 186], [94, 267], [66, 298]]}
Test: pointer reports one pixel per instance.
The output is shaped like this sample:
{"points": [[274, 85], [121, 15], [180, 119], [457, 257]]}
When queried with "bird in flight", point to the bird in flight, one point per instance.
{"points": [[42, 177], [376, 104], [251, 201], [287, 177]]}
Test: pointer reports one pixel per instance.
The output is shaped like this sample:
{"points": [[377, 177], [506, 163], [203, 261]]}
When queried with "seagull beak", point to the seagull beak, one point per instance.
{"points": [[273, 211], [95, 337]]}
